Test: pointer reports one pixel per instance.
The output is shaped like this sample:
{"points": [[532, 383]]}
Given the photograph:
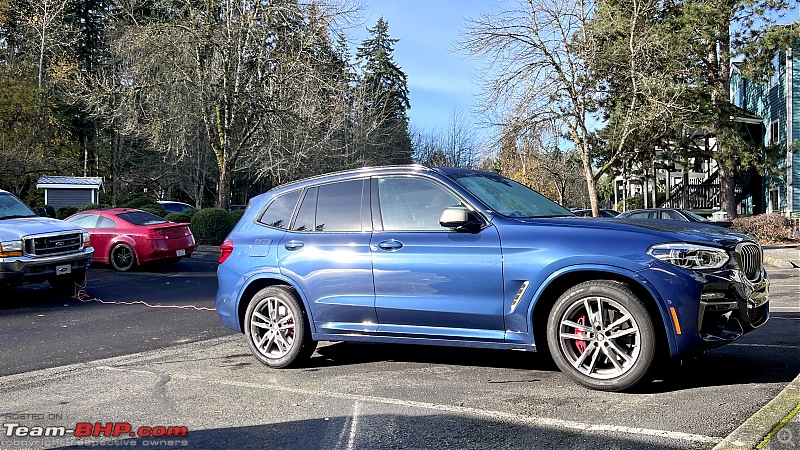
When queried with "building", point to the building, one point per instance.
{"points": [[70, 191], [777, 102]]}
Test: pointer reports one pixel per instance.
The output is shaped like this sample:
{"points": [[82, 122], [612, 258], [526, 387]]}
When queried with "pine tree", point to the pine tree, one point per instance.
{"points": [[387, 87]]}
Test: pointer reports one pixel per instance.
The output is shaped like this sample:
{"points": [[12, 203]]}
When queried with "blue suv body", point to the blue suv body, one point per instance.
{"points": [[459, 257]]}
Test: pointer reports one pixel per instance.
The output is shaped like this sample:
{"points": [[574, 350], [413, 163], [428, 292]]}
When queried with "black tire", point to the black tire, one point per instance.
{"points": [[122, 258], [67, 283], [270, 309], [609, 358]]}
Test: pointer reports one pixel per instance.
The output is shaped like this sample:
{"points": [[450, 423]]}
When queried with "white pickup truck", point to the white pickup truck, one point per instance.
{"points": [[35, 249]]}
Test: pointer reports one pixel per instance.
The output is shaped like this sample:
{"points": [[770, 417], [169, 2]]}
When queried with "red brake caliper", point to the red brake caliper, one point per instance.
{"points": [[581, 345]]}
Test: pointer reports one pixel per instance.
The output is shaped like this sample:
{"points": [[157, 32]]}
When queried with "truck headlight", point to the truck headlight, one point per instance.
{"points": [[690, 256], [86, 239], [10, 248]]}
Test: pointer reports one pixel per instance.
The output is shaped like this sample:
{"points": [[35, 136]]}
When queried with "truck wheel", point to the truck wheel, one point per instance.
{"points": [[277, 328], [122, 258], [601, 335]]}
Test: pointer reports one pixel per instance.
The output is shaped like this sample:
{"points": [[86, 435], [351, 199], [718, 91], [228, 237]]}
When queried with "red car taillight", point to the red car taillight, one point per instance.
{"points": [[225, 250], [154, 235]]}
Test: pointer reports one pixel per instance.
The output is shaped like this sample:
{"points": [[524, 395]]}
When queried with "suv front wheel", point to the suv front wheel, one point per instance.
{"points": [[601, 335], [277, 328]]}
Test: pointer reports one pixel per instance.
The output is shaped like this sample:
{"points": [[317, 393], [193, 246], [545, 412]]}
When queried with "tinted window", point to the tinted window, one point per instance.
{"points": [[279, 212], [340, 206], [85, 220], [141, 218], [642, 215], [305, 220], [413, 203]]}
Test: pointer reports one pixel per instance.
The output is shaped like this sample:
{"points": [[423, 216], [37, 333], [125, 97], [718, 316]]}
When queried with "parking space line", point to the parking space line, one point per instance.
{"points": [[351, 441], [464, 410]]}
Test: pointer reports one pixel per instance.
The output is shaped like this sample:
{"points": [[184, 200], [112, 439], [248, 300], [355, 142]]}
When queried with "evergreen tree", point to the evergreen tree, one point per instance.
{"points": [[387, 88]]}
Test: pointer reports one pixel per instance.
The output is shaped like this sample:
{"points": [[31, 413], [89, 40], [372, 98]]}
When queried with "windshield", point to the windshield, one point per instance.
{"points": [[695, 216], [12, 208], [141, 218], [507, 197]]}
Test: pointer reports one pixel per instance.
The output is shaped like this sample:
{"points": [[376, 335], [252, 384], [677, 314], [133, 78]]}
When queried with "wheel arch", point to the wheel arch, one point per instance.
{"points": [[547, 295], [127, 241], [260, 282]]}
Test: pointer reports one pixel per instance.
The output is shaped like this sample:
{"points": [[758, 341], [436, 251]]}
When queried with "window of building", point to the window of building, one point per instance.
{"points": [[776, 66], [774, 200], [774, 133]]}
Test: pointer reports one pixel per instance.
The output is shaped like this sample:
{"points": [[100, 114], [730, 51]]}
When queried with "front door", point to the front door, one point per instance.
{"points": [[431, 281]]}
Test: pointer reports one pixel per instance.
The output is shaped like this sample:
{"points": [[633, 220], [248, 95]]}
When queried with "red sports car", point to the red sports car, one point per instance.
{"points": [[125, 237]]}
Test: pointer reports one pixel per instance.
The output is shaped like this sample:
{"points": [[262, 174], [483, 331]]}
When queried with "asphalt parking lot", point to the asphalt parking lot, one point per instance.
{"points": [[369, 396]]}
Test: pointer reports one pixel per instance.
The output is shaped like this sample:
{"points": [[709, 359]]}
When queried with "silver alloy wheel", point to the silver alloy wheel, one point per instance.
{"points": [[599, 337], [272, 327]]}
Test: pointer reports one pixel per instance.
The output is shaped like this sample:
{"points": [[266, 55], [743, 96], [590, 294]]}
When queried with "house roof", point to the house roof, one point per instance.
{"points": [[49, 182]]}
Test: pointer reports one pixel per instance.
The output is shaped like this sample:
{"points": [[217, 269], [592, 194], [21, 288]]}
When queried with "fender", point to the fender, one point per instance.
{"points": [[619, 271], [256, 277]]}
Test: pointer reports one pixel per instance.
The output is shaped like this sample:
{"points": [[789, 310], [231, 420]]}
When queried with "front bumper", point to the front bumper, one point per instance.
{"points": [[731, 305], [711, 308], [28, 269]]}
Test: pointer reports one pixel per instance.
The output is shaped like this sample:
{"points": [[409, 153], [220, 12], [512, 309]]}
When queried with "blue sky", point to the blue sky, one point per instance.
{"points": [[440, 79]]}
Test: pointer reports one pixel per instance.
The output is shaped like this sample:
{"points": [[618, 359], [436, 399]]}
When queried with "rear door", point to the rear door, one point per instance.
{"points": [[326, 251]]}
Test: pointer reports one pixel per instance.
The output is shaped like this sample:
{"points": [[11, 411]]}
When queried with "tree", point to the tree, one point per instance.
{"points": [[455, 146], [538, 70], [387, 86]]}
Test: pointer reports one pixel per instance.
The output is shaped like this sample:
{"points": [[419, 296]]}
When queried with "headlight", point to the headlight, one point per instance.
{"points": [[86, 239], [11, 248], [689, 256]]}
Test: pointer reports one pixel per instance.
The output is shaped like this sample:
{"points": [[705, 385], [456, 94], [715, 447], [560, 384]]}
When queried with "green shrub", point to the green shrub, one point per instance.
{"points": [[210, 226], [65, 212], [771, 227], [51, 212], [89, 206], [139, 202], [180, 217], [236, 214]]}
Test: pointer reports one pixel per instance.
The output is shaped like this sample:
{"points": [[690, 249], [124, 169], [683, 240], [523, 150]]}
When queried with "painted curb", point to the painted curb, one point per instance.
{"points": [[778, 262], [765, 422]]}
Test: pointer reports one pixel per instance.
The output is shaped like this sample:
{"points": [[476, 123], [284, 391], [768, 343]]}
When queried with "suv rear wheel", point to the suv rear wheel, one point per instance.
{"points": [[277, 328], [601, 335]]}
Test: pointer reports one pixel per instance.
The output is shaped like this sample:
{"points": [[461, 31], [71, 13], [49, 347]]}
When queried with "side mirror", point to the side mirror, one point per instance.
{"points": [[41, 212], [459, 218]]}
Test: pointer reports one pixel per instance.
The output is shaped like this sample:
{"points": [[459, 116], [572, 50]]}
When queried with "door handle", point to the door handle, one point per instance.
{"points": [[391, 245], [294, 245]]}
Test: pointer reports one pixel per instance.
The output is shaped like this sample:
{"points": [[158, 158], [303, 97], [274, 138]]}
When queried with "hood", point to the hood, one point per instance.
{"points": [[16, 229], [660, 230]]}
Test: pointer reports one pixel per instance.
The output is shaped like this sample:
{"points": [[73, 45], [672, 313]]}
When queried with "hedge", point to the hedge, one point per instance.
{"points": [[210, 226]]}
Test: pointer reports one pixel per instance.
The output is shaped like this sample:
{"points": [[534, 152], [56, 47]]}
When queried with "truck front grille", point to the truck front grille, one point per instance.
{"points": [[54, 244]]}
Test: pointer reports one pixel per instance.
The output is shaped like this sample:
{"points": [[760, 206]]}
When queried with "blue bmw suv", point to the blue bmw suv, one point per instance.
{"points": [[442, 256]]}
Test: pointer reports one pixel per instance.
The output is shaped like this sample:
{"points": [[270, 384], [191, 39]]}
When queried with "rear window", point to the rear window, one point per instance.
{"points": [[279, 212], [141, 218]]}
